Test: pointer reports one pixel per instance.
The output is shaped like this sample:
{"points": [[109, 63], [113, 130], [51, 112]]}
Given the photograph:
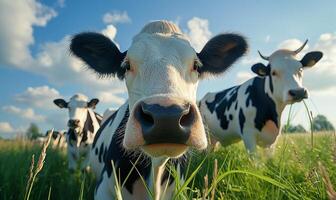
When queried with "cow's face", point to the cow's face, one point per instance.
{"points": [[284, 74], [78, 110], [161, 71]]}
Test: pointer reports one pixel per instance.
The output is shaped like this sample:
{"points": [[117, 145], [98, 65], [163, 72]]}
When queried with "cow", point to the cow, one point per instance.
{"points": [[83, 125], [58, 139], [160, 120], [252, 111]]}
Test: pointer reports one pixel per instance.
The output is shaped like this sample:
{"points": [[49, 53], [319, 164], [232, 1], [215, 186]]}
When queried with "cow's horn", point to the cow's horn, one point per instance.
{"points": [[263, 57], [300, 49]]}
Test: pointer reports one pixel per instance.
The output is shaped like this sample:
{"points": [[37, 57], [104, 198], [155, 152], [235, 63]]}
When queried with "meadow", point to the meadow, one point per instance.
{"points": [[295, 171]]}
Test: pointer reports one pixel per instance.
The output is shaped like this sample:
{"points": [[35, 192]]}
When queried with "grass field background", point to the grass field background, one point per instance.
{"points": [[295, 171]]}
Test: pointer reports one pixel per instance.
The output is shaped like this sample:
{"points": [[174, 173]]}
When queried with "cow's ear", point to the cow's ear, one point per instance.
{"points": [[92, 103], [61, 103], [220, 52], [311, 58], [99, 53], [260, 69]]}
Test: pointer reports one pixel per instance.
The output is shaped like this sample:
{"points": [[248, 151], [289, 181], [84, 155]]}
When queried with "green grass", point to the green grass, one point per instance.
{"points": [[292, 173]]}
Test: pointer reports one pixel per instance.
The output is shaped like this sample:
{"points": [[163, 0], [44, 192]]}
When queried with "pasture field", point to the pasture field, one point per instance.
{"points": [[294, 172]]}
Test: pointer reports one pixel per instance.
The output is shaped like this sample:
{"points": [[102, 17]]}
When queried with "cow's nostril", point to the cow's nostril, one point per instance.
{"points": [[292, 93], [187, 118], [145, 117]]}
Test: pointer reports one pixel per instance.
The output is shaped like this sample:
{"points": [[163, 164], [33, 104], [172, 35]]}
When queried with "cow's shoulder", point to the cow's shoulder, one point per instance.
{"points": [[265, 106]]}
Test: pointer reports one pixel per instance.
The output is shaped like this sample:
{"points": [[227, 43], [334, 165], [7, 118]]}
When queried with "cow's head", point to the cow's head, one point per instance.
{"points": [[78, 111], [284, 72], [161, 71]]}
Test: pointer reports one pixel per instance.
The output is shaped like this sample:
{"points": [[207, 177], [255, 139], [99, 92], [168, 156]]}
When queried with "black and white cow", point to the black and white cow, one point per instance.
{"points": [[161, 119], [58, 139], [252, 111], [83, 125]]}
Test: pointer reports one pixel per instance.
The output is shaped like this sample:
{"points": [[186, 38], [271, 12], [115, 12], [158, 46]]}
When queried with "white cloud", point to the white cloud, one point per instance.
{"points": [[198, 32], [267, 38], [110, 97], [6, 127], [116, 17], [110, 31], [61, 3], [17, 19], [250, 60], [27, 113], [243, 76], [292, 44], [41, 97]]}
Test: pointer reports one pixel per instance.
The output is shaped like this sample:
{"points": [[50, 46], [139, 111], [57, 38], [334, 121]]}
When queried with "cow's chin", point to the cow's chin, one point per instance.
{"points": [[165, 150]]}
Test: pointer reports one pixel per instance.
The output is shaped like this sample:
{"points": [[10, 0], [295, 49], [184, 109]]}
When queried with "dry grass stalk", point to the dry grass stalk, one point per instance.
{"points": [[214, 178], [206, 187], [30, 173], [329, 187], [39, 166]]}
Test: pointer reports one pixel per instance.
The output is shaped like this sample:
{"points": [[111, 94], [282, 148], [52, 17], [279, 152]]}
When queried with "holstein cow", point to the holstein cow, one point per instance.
{"points": [[252, 111], [58, 139], [161, 119], [83, 125]]}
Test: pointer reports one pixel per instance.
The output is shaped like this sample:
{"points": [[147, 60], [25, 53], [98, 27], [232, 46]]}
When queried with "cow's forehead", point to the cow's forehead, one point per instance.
{"points": [[285, 60], [78, 100], [146, 47]]}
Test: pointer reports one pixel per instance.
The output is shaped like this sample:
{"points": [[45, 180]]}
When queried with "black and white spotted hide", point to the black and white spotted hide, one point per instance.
{"points": [[252, 111]]}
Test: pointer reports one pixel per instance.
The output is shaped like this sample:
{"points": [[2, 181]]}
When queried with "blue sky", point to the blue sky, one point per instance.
{"points": [[35, 66]]}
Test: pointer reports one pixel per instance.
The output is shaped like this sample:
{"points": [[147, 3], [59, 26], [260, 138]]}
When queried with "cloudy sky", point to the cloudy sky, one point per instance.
{"points": [[35, 65]]}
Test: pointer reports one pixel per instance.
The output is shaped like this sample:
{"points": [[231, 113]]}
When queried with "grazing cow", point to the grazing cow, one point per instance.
{"points": [[161, 119], [83, 124], [252, 111], [58, 139]]}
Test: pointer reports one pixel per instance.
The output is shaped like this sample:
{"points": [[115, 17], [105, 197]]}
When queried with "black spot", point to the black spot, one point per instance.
{"points": [[72, 136], [230, 117], [102, 127], [123, 160], [265, 106], [182, 162], [271, 82], [100, 156], [96, 151], [222, 103], [241, 120], [98, 117]]}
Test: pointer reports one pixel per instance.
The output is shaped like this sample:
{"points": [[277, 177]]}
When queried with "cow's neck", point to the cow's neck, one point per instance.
{"points": [[158, 167], [269, 90], [91, 125]]}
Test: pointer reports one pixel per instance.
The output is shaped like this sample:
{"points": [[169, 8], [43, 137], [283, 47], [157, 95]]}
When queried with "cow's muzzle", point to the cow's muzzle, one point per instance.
{"points": [[73, 123], [298, 94], [165, 124]]}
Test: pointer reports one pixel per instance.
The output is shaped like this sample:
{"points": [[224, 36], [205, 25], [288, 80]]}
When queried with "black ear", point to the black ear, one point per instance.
{"points": [[92, 103], [311, 58], [61, 103], [220, 52], [99, 53], [260, 69]]}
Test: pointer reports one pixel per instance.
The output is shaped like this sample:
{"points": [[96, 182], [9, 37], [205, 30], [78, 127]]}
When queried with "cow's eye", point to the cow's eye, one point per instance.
{"points": [[197, 65]]}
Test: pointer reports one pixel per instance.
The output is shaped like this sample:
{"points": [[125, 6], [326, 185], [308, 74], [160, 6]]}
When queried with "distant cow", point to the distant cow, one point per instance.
{"points": [[252, 111], [58, 139], [161, 119], [83, 124]]}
